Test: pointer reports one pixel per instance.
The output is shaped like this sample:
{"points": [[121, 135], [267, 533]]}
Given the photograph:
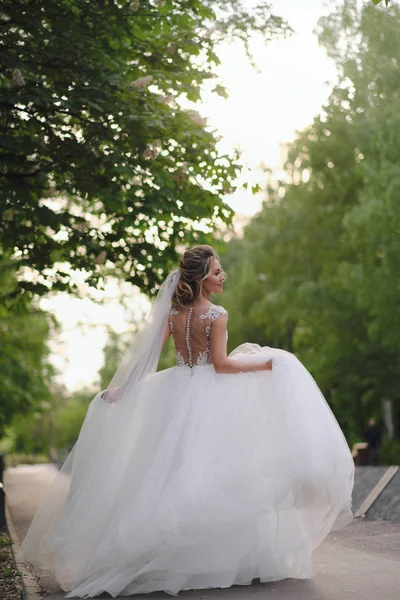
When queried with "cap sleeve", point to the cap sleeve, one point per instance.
{"points": [[218, 311]]}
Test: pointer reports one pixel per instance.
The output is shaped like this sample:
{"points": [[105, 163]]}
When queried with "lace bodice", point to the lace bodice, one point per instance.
{"points": [[191, 330]]}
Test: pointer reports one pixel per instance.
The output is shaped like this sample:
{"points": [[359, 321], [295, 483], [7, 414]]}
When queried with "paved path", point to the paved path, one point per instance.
{"points": [[360, 562]]}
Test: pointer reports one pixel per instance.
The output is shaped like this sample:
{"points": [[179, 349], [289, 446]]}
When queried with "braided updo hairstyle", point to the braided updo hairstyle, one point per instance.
{"points": [[195, 266]]}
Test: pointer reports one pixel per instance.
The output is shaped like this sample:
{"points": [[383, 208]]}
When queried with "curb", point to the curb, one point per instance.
{"points": [[30, 588], [376, 491]]}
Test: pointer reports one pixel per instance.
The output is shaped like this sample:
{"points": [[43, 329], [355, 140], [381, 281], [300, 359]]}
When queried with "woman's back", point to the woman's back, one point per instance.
{"points": [[191, 330]]}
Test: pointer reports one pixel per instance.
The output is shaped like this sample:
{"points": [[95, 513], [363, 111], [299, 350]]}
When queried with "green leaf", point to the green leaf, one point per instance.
{"points": [[221, 91]]}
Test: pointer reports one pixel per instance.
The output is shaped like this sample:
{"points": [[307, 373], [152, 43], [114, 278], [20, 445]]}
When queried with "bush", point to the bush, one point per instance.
{"points": [[390, 452], [14, 459]]}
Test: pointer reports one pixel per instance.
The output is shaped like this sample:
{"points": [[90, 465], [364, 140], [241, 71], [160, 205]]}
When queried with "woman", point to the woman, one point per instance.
{"points": [[215, 472]]}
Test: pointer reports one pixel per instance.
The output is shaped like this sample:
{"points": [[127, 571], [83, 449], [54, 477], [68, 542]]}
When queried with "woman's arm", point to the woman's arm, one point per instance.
{"points": [[223, 364]]}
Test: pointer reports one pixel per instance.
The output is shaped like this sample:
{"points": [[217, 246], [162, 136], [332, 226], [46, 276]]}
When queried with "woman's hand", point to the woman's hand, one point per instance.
{"points": [[265, 366], [110, 395]]}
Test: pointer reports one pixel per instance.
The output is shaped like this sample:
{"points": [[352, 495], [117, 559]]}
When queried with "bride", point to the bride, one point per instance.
{"points": [[214, 472]]}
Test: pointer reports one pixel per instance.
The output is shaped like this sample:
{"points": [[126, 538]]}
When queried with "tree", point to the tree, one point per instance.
{"points": [[317, 270], [114, 350], [25, 370], [50, 425], [103, 159]]}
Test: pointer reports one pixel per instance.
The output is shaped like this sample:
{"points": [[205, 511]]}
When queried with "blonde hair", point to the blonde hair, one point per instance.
{"points": [[195, 265]]}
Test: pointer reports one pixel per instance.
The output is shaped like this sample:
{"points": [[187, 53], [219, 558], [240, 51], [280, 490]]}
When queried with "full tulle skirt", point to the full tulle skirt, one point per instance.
{"points": [[197, 480]]}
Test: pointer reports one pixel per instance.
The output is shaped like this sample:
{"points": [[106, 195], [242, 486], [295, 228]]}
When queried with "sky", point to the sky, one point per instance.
{"points": [[264, 110]]}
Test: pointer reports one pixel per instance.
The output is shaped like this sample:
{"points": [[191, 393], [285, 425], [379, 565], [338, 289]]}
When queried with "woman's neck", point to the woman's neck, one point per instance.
{"points": [[205, 297]]}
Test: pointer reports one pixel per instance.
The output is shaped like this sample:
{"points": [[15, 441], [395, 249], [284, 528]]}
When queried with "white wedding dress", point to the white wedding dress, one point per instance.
{"points": [[210, 480]]}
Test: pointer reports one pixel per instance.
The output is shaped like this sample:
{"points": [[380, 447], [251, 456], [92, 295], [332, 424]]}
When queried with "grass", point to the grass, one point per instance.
{"points": [[5, 541], [10, 577]]}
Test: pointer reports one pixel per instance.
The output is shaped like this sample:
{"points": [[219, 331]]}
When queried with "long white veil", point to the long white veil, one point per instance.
{"points": [[142, 356], [100, 458]]}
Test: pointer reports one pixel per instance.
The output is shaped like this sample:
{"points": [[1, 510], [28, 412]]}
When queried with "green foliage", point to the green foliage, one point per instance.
{"points": [[13, 459], [168, 357], [5, 541], [24, 330], [390, 452], [54, 424], [69, 416], [317, 271], [101, 162], [114, 350]]}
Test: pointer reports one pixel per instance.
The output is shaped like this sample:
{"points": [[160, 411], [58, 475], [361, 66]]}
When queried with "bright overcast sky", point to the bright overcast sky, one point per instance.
{"points": [[266, 108], [263, 112]]}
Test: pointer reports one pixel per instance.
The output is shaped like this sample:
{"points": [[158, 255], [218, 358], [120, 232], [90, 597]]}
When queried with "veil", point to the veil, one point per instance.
{"points": [[142, 356], [98, 460]]}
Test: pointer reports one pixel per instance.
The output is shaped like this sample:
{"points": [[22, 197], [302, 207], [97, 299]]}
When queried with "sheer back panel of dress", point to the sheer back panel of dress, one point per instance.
{"points": [[191, 329]]}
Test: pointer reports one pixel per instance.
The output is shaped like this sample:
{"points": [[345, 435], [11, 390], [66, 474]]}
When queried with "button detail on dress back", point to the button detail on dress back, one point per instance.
{"points": [[189, 349], [192, 336]]}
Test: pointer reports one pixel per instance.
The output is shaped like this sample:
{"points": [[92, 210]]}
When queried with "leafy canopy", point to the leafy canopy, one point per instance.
{"points": [[103, 160], [317, 270]]}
